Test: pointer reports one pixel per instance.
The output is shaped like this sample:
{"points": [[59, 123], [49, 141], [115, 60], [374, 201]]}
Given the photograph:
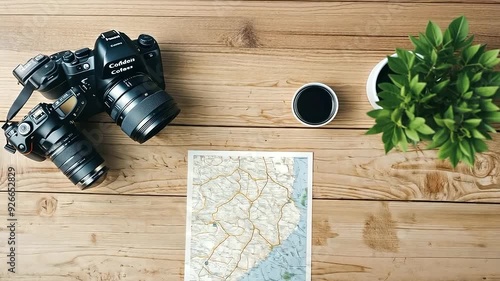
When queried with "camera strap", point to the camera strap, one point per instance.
{"points": [[20, 101]]}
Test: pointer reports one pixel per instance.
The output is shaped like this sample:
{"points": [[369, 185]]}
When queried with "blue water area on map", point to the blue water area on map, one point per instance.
{"points": [[288, 260]]}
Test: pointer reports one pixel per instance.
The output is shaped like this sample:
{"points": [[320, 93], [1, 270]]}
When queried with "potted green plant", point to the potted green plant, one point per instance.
{"points": [[442, 92]]}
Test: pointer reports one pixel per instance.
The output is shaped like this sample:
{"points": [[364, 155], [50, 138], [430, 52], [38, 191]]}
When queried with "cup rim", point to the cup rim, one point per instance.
{"points": [[334, 99]]}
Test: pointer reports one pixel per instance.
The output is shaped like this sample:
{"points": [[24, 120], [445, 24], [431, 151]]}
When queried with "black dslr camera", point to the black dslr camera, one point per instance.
{"points": [[121, 76]]}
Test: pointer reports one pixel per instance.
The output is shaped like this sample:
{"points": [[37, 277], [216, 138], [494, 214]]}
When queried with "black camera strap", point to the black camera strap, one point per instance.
{"points": [[20, 101]]}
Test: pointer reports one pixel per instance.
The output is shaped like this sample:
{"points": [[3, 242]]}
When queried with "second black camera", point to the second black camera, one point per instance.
{"points": [[121, 76]]}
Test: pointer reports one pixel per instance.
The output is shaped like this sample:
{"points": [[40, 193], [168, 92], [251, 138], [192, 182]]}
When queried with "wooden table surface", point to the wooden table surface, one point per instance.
{"points": [[233, 67]]}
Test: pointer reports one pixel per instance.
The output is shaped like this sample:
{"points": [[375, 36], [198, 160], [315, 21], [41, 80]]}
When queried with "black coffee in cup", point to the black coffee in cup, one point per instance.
{"points": [[315, 104]]}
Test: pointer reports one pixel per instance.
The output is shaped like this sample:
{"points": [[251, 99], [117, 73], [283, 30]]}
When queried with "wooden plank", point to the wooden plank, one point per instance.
{"points": [[347, 164], [367, 21], [243, 89], [233, 8], [88, 237], [232, 89], [217, 84]]}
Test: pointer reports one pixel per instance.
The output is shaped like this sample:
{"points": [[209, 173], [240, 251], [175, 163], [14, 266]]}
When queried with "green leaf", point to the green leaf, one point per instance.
{"points": [[388, 146], [395, 136], [489, 59], [418, 88], [472, 123], [480, 145], [412, 134], [463, 83], [417, 123], [465, 147], [488, 128], [469, 160], [487, 91], [376, 129], [421, 46], [402, 141], [421, 67], [426, 130], [413, 81], [447, 40], [410, 115], [493, 117], [389, 87], [459, 29], [399, 80], [396, 115], [450, 124], [469, 52], [434, 57], [439, 121], [440, 86], [382, 114], [449, 113], [434, 34], [374, 113], [407, 57], [445, 150], [387, 135], [465, 43], [444, 66], [439, 139], [455, 155], [397, 65], [468, 95], [394, 98], [388, 103], [488, 105], [477, 77], [493, 78], [463, 108], [427, 98], [477, 135]]}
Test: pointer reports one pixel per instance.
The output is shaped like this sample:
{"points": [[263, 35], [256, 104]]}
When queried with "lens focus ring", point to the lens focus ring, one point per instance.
{"points": [[140, 107], [75, 156]]}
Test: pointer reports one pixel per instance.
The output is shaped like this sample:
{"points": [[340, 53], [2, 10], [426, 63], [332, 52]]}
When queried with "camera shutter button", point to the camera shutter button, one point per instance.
{"points": [[68, 57], [24, 129], [146, 41]]}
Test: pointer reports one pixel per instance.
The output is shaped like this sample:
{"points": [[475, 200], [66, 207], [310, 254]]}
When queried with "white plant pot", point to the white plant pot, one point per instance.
{"points": [[371, 84]]}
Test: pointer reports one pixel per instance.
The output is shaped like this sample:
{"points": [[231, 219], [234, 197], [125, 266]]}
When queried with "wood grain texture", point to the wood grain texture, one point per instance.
{"points": [[216, 89], [219, 80], [347, 164], [239, 7], [233, 67], [89, 237]]}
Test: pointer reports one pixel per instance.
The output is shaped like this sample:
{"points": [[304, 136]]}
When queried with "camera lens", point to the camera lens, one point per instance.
{"points": [[140, 107], [75, 156]]}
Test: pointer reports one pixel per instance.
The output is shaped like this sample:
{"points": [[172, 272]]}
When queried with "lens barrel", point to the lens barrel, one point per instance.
{"points": [[140, 107], [75, 156]]}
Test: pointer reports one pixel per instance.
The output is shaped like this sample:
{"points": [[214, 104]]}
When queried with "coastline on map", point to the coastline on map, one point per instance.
{"points": [[294, 251]]}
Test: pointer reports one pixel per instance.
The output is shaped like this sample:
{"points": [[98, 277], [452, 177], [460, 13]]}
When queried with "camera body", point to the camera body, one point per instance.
{"points": [[114, 56], [47, 131], [121, 76], [34, 135]]}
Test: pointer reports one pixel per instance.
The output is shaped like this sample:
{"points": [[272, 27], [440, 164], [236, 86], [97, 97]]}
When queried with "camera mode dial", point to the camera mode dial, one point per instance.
{"points": [[24, 129], [146, 41], [68, 57]]}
